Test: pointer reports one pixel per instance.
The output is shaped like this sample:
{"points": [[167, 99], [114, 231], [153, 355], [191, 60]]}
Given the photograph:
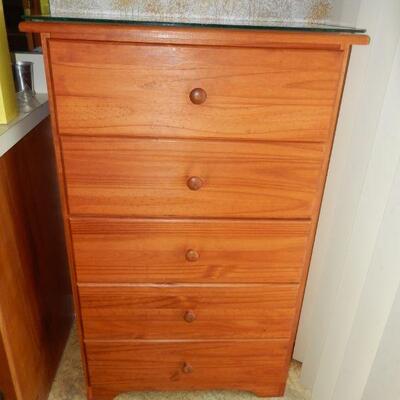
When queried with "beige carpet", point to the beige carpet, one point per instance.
{"points": [[69, 384]]}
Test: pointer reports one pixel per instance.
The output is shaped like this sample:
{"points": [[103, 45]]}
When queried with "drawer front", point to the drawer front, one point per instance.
{"points": [[258, 94], [185, 178], [185, 251], [188, 312], [131, 366]]}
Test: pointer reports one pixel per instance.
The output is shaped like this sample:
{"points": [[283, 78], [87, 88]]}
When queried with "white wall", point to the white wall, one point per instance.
{"points": [[385, 372], [344, 12], [355, 269]]}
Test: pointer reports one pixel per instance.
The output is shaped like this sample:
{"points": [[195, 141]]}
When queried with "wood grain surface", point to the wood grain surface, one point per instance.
{"points": [[160, 312], [142, 177], [257, 366], [154, 251], [122, 89]]}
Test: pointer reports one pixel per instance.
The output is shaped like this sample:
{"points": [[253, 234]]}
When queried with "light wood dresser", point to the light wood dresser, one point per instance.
{"points": [[192, 162]]}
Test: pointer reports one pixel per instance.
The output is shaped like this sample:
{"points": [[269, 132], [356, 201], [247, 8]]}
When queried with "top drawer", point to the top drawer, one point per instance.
{"points": [[144, 90]]}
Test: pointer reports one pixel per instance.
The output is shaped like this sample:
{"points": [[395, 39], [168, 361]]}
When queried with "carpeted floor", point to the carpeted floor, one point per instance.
{"points": [[69, 384]]}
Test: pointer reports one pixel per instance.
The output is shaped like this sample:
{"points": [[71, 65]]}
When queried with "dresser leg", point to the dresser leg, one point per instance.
{"points": [[264, 393], [94, 393], [260, 394]]}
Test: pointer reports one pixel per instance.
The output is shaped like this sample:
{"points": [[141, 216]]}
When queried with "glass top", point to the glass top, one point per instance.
{"points": [[194, 22]]}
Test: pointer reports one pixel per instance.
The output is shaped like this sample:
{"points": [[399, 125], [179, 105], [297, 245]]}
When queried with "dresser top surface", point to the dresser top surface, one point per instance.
{"points": [[222, 23]]}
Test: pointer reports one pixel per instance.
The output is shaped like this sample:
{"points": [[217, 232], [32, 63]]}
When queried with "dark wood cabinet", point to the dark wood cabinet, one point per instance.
{"points": [[35, 293]]}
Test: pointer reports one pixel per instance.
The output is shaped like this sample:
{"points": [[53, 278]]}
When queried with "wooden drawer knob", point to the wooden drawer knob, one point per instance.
{"points": [[192, 255], [189, 316], [187, 368], [194, 183], [198, 96]]}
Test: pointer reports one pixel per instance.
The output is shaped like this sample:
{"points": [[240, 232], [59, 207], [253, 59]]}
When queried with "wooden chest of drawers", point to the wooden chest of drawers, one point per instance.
{"points": [[192, 163]]}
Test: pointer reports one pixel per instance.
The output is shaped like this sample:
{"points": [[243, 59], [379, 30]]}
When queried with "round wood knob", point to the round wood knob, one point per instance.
{"points": [[192, 255], [187, 368], [194, 183], [189, 316], [198, 96]]}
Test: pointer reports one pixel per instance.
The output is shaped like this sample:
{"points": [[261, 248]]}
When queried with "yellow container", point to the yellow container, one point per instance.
{"points": [[8, 102], [45, 7]]}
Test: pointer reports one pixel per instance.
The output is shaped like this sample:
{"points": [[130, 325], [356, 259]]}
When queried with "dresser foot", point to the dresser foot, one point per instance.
{"points": [[265, 393], [94, 393]]}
